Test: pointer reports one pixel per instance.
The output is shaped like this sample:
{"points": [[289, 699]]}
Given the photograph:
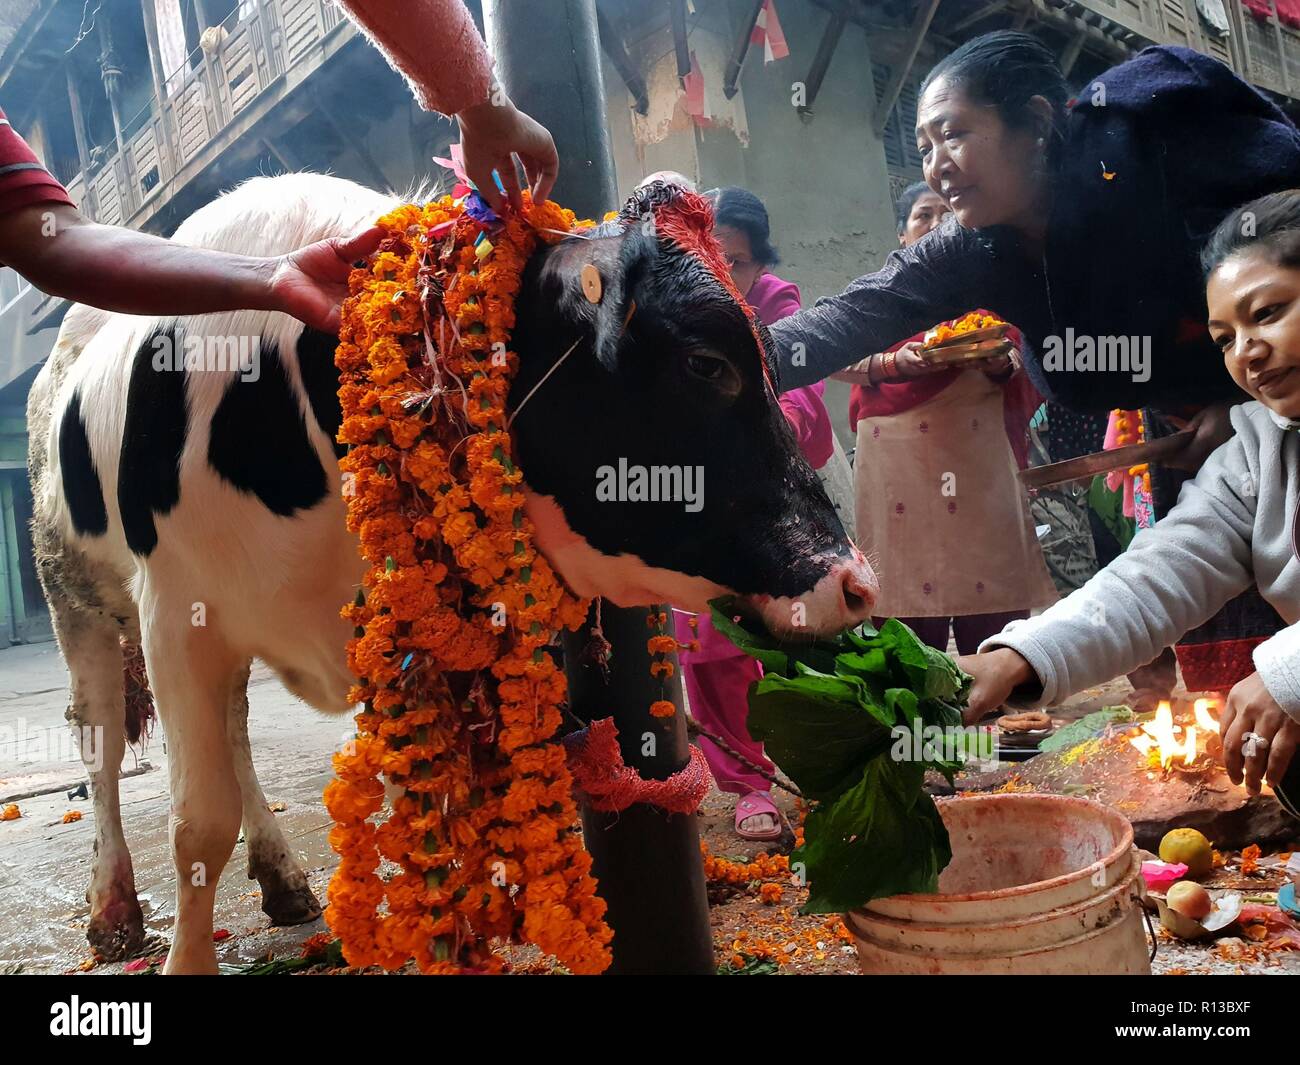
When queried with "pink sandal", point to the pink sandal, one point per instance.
{"points": [[757, 802]]}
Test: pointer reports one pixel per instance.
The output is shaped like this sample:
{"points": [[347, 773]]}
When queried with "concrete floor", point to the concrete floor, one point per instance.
{"points": [[45, 864]]}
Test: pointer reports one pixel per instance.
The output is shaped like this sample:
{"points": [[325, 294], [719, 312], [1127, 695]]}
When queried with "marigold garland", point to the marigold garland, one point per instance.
{"points": [[660, 646], [461, 699], [1125, 420]]}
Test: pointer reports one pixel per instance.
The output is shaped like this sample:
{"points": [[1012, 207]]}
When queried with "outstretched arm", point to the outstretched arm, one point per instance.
{"points": [[65, 254], [435, 46], [1172, 577], [944, 275]]}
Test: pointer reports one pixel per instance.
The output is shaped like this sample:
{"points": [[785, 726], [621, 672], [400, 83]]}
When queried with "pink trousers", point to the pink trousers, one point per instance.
{"points": [[716, 689]]}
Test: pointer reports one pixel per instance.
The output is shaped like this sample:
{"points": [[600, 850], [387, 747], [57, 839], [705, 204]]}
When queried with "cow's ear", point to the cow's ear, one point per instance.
{"points": [[620, 277]]}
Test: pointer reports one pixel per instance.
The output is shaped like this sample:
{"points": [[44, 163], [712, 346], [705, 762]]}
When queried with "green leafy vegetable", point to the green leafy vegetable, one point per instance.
{"points": [[853, 721]]}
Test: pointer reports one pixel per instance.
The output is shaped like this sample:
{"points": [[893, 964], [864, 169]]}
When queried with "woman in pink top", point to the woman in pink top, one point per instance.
{"points": [[717, 676]]}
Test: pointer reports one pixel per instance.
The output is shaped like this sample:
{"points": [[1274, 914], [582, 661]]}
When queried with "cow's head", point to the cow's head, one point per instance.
{"points": [[656, 382]]}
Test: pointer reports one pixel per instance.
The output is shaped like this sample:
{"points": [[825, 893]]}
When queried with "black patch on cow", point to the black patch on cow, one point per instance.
{"points": [[153, 437], [626, 395], [81, 485], [320, 379], [259, 441]]}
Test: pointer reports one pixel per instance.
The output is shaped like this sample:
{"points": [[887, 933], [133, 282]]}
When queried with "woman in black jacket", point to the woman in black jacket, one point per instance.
{"points": [[1085, 215], [1081, 221]]}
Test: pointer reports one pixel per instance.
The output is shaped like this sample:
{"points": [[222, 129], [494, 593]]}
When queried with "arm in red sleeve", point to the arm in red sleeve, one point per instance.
{"points": [[433, 44], [24, 181]]}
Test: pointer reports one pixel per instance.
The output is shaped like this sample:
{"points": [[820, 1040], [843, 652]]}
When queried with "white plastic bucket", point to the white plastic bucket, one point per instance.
{"points": [[1037, 884]]}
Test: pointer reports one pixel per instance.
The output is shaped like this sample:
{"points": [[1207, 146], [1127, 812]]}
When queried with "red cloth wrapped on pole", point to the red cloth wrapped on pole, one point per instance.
{"points": [[610, 785]]}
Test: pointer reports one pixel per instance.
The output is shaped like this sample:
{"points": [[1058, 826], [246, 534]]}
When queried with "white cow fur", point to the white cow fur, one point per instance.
{"points": [[262, 585]]}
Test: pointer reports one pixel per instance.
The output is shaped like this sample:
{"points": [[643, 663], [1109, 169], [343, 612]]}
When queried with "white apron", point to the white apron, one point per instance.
{"points": [[940, 512]]}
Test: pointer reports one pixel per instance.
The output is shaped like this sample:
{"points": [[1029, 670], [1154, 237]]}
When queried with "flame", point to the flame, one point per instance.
{"points": [[1159, 738], [1201, 709]]}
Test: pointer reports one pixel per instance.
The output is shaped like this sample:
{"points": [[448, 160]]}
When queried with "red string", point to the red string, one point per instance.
{"points": [[610, 785]]}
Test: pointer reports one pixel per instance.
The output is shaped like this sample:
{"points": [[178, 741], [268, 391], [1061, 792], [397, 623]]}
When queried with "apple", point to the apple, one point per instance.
{"points": [[1190, 899]]}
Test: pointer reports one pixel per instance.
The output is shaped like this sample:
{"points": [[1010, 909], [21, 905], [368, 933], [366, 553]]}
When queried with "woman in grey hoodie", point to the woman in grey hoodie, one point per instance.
{"points": [[1234, 524]]}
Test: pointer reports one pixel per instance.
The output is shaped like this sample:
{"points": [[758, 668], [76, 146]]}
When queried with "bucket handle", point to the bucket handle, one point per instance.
{"points": [[1146, 916]]}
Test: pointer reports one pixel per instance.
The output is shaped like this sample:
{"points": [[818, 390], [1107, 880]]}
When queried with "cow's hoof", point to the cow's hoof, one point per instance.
{"points": [[286, 898], [116, 930], [296, 905]]}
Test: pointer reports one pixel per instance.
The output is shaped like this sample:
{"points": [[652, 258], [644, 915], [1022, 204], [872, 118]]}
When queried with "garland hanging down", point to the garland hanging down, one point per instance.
{"points": [[461, 699]]}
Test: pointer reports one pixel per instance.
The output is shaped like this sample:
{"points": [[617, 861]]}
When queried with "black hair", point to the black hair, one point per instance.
{"points": [[1006, 69], [1270, 224], [906, 201], [742, 210]]}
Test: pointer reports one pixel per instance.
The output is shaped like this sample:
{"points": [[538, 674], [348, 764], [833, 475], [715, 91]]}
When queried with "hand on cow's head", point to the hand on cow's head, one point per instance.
{"points": [[659, 465]]}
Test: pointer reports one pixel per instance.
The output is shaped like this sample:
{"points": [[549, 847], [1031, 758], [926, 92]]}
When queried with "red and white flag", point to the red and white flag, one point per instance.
{"points": [[693, 84], [767, 32]]}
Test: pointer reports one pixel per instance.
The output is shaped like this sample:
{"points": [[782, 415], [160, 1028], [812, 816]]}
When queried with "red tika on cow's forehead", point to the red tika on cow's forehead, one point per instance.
{"points": [[687, 220]]}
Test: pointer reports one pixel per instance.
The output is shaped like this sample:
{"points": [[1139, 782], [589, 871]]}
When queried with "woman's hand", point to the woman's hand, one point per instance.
{"points": [[489, 133], [1212, 427], [998, 368], [1259, 737], [909, 364], [996, 674]]}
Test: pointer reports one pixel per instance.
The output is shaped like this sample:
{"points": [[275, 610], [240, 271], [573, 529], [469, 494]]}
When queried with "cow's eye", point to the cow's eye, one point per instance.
{"points": [[706, 367]]}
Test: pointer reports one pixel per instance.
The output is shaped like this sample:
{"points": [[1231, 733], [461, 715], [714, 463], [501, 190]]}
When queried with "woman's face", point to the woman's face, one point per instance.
{"points": [[1255, 319], [927, 212], [987, 172], [740, 257]]}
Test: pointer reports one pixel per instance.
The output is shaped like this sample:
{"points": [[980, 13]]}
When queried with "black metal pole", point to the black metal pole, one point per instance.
{"points": [[647, 862], [550, 67]]}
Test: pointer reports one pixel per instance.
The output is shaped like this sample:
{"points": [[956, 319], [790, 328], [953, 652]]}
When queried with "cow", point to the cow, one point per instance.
{"points": [[192, 506]]}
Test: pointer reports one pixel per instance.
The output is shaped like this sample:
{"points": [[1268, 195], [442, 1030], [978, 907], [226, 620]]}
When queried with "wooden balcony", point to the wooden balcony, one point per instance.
{"points": [[1263, 53], [216, 94]]}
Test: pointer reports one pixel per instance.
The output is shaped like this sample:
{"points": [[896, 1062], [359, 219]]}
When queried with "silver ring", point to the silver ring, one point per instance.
{"points": [[1252, 742]]}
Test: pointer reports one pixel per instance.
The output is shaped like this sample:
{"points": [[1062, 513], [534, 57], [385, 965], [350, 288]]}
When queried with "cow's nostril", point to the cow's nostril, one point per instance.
{"points": [[859, 592]]}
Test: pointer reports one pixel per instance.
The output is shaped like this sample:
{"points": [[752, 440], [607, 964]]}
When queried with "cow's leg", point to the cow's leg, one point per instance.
{"points": [[96, 711], [193, 675], [286, 898]]}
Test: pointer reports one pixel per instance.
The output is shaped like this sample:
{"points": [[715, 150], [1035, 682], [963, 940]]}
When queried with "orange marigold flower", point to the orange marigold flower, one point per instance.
{"points": [[460, 712]]}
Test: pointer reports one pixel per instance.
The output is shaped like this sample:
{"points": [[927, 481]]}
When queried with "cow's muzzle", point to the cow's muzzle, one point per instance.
{"points": [[845, 596]]}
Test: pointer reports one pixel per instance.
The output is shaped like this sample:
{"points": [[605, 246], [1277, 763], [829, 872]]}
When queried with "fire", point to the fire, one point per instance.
{"points": [[1160, 737], [1201, 709]]}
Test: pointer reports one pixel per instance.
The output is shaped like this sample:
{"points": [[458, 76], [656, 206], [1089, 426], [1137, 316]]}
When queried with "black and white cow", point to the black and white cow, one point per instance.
{"points": [[199, 510]]}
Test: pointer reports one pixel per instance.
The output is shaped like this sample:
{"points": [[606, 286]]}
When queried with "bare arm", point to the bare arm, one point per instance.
{"points": [[61, 252]]}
